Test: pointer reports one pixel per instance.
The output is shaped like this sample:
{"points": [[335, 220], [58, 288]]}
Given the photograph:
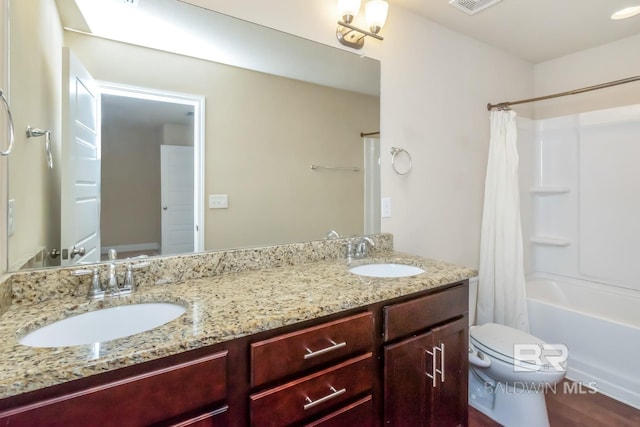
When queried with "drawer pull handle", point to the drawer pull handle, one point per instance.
{"points": [[334, 346], [334, 393]]}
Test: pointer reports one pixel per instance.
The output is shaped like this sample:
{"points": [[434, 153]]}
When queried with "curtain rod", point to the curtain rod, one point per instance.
{"points": [[506, 105]]}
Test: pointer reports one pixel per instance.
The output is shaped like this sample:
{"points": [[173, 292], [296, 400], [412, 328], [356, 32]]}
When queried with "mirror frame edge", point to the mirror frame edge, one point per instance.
{"points": [[4, 131]]}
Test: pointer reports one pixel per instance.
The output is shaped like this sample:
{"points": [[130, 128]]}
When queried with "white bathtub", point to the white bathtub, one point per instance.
{"points": [[599, 324]]}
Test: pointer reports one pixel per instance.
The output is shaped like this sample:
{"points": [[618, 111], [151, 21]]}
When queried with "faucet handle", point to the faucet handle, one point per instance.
{"points": [[129, 281], [95, 289], [81, 272]]}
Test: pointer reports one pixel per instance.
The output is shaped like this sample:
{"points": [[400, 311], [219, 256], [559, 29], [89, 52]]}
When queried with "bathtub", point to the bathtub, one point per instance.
{"points": [[600, 325]]}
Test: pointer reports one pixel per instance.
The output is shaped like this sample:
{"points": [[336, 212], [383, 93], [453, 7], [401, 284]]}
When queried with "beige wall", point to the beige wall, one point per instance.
{"points": [[435, 87], [35, 76], [130, 210], [262, 164], [174, 134], [602, 64]]}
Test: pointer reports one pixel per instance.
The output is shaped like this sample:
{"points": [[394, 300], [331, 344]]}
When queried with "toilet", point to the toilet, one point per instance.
{"points": [[509, 389]]}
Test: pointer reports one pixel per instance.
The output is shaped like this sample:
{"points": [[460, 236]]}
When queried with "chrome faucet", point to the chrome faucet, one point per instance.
{"points": [[359, 249], [110, 287], [332, 234], [362, 247]]}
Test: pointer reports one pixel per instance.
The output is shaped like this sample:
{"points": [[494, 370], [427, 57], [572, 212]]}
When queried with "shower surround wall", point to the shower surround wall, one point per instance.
{"points": [[581, 222], [586, 196]]}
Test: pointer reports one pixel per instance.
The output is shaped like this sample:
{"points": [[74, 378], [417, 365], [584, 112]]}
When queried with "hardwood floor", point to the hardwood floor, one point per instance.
{"points": [[576, 410]]}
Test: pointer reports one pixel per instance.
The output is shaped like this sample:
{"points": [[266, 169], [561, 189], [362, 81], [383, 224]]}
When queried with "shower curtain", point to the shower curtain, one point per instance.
{"points": [[501, 289]]}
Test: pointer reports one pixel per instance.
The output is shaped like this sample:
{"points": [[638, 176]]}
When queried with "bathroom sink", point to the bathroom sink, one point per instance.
{"points": [[103, 325], [386, 270]]}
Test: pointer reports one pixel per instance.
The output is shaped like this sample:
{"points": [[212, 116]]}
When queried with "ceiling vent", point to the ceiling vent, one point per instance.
{"points": [[472, 7]]}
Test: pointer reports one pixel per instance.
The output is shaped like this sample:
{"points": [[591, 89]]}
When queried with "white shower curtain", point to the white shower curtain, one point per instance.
{"points": [[501, 289]]}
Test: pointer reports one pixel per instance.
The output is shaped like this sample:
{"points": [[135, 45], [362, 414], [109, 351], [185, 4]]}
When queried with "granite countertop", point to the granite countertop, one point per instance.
{"points": [[219, 308]]}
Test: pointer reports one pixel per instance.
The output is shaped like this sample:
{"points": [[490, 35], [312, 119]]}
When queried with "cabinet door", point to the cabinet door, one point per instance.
{"points": [[449, 398], [425, 378], [407, 391]]}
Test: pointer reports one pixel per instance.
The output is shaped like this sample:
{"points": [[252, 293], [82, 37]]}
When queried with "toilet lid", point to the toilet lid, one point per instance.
{"points": [[498, 340]]}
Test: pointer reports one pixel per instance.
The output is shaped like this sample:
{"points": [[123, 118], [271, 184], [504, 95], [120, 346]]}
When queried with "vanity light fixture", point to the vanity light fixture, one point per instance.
{"points": [[625, 13], [375, 16]]}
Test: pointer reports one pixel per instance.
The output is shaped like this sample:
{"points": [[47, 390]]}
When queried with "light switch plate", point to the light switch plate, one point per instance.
{"points": [[386, 207], [218, 201], [11, 214]]}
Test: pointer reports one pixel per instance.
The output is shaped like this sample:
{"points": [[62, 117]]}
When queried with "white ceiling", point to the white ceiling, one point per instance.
{"points": [[534, 30]]}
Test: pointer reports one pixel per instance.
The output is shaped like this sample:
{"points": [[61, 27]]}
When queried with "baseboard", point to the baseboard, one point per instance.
{"points": [[154, 246]]}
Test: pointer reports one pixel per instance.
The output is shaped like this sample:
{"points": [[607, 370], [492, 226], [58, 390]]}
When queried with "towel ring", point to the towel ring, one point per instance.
{"points": [[394, 152], [11, 130]]}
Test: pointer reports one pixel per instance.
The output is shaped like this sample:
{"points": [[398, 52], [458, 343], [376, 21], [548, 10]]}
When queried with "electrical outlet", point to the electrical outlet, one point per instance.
{"points": [[218, 201]]}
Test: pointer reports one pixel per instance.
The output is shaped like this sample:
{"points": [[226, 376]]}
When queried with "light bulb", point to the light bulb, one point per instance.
{"points": [[626, 13], [376, 14], [348, 9]]}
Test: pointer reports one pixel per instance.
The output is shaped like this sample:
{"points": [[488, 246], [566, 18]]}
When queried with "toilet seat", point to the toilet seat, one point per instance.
{"points": [[497, 341]]}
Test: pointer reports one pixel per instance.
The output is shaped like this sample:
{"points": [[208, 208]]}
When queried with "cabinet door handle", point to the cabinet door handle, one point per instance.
{"points": [[334, 346], [434, 364], [334, 393], [442, 362]]}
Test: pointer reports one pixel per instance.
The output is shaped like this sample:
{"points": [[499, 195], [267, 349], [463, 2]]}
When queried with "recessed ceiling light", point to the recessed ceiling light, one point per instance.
{"points": [[627, 12]]}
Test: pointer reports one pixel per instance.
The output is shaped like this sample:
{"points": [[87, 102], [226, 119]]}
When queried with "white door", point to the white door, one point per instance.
{"points": [[177, 185], [79, 163]]}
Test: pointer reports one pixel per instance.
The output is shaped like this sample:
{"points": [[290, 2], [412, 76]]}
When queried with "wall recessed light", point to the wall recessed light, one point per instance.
{"points": [[627, 12]]}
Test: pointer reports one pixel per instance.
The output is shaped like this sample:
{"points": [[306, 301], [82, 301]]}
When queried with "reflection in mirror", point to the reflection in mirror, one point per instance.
{"points": [[273, 105]]}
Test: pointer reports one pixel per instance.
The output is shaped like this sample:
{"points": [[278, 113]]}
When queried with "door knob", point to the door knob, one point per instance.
{"points": [[54, 253], [77, 251]]}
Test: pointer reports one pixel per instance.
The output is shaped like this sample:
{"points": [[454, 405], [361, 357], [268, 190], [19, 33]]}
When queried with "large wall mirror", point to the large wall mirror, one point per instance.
{"points": [[176, 129]]}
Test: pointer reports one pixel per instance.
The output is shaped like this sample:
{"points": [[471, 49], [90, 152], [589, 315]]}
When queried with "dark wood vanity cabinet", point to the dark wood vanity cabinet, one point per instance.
{"points": [[371, 366], [426, 371], [189, 393]]}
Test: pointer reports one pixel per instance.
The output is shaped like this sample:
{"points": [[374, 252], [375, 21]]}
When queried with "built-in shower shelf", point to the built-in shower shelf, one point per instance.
{"points": [[550, 241], [550, 190]]}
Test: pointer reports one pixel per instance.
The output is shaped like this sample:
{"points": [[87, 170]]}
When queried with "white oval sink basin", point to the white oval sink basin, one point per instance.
{"points": [[386, 270], [103, 325]]}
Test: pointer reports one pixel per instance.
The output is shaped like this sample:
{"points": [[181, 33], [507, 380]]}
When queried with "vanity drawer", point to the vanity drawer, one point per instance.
{"points": [[358, 414], [408, 317], [216, 418], [307, 396], [291, 353], [142, 399]]}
